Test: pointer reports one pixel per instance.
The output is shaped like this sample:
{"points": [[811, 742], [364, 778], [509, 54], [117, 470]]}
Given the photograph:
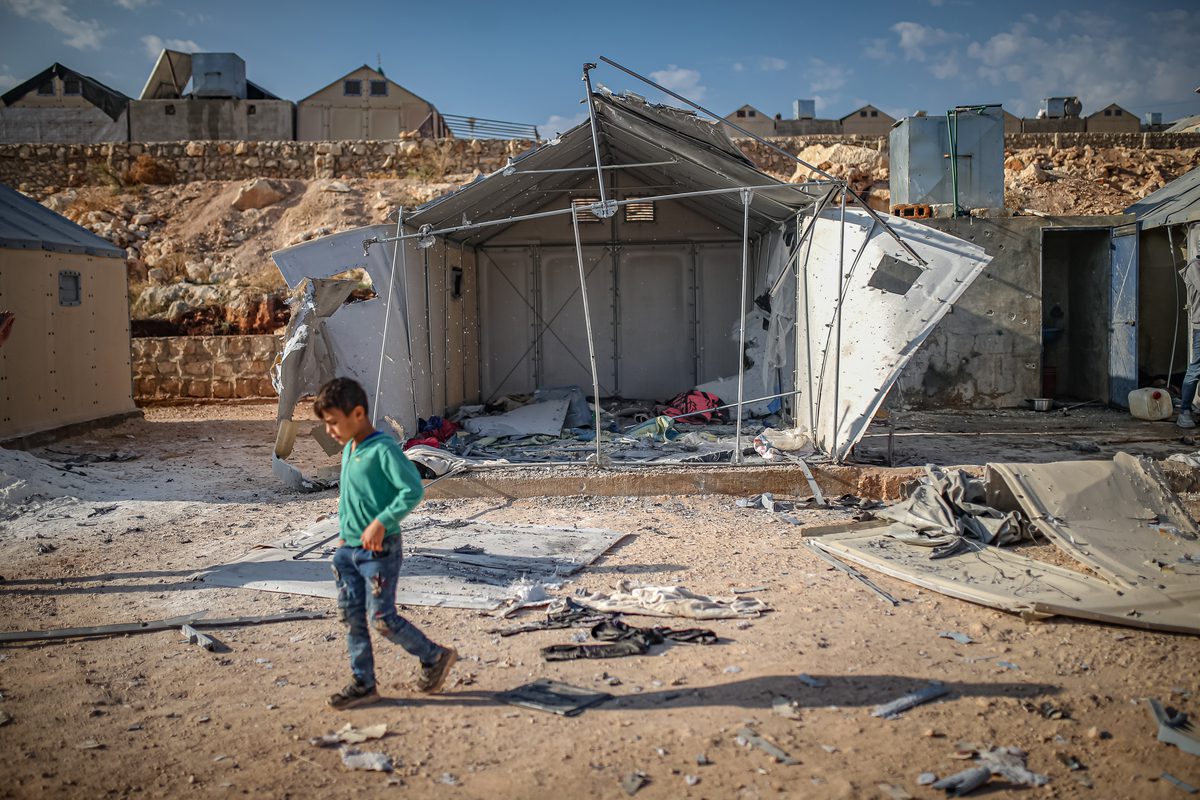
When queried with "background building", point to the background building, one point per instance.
{"points": [[61, 105], [222, 103], [67, 360], [364, 104]]}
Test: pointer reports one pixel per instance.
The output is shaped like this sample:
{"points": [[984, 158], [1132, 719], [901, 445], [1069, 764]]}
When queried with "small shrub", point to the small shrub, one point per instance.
{"points": [[147, 170]]}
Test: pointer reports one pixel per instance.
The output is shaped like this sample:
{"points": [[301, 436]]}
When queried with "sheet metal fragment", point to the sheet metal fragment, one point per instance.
{"points": [[1174, 729], [752, 738], [901, 704]]}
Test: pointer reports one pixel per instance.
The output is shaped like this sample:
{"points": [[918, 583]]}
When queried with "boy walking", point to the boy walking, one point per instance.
{"points": [[379, 487]]}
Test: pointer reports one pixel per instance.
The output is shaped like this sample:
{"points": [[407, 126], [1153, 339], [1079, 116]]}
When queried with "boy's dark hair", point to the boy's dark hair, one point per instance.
{"points": [[344, 394]]}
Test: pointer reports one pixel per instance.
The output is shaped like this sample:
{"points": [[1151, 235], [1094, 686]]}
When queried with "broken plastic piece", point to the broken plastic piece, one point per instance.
{"points": [[901, 704], [375, 762], [753, 739], [961, 783], [197, 638], [811, 682], [348, 734], [634, 781], [961, 638], [1174, 729], [1166, 776]]}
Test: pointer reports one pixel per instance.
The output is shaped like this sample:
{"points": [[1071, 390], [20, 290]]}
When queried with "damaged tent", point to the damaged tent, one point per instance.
{"points": [[639, 254]]}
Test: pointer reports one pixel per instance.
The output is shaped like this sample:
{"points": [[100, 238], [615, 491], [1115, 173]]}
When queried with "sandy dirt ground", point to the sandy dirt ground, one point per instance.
{"points": [[149, 715]]}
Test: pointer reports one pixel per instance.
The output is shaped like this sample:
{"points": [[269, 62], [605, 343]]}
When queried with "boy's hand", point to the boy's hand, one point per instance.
{"points": [[372, 536]]}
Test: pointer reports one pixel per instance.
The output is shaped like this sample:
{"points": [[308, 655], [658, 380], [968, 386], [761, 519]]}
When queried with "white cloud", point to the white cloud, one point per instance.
{"points": [[7, 80], [81, 34], [917, 40], [825, 77], [156, 44], [878, 49], [1093, 59], [559, 124], [739, 67], [133, 5], [772, 64], [684, 81]]}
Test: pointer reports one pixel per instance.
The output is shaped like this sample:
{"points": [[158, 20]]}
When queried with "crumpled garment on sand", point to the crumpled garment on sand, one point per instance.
{"points": [[670, 601]]}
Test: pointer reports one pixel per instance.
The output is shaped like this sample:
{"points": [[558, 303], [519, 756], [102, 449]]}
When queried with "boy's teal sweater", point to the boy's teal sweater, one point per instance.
{"points": [[378, 482]]}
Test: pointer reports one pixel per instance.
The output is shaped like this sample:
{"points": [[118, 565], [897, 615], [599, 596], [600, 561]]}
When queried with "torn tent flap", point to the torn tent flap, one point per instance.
{"points": [[540, 418], [947, 505]]}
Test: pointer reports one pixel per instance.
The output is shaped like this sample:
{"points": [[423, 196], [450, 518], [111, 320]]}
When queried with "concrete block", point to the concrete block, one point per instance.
{"points": [[199, 389], [222, 389]]}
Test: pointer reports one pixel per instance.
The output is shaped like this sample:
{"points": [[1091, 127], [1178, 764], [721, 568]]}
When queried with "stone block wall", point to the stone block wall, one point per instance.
{"points": [[60, 165], [40, 165], [203, 367]]}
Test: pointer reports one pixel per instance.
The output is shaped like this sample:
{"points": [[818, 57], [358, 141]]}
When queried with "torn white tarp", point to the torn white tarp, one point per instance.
{"points": [[449, 563], [536, 418], [847, 362], [630, 597], [328, 337]]}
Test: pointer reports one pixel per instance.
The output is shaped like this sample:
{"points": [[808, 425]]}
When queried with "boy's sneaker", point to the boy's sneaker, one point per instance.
{"points": [[354, 694], [433, 677], [1184, 420]]}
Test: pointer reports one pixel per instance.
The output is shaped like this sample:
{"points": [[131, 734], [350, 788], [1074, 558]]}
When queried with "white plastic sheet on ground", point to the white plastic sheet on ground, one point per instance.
{"points": [[446, 563]]}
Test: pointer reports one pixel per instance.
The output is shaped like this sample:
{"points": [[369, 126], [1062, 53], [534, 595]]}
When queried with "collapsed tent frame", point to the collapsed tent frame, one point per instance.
{"points": [[727, 160]]}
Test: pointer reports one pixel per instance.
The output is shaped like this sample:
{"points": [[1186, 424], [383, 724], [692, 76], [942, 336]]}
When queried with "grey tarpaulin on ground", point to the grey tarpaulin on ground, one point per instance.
{"points": [[950, 503]]}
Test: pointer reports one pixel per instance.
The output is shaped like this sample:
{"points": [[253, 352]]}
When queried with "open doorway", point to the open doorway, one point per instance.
{"points": [[1076, 278]]}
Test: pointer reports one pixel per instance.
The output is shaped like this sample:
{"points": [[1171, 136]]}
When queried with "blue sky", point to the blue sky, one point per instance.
{"points": [[521, 61]]}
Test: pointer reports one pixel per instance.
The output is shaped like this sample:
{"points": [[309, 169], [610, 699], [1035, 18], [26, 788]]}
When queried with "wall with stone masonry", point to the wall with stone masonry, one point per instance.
{"points": [[203, 367], [59, 165]]}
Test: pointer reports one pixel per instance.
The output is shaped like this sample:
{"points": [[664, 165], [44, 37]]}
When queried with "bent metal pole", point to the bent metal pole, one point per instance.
{"points": [[737, 436], [587, 323], [722, 121]]}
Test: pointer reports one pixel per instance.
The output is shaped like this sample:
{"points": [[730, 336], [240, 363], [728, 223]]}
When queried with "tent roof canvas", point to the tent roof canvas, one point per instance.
{"points": [[28, 225], [1176, 203], [685, 151]]}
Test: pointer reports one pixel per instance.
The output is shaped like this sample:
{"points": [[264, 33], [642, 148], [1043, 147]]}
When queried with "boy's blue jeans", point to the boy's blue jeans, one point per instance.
{"points": [[366, 583]]}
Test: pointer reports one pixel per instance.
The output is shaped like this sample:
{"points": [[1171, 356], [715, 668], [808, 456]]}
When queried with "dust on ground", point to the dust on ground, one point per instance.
{"points": [[150, 715]]}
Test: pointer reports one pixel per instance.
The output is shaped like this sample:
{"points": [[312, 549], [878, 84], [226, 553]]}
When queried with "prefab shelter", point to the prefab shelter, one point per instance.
{"points": [[365, 104], [222, 103], [67, 360], [640, 254], [61, 105], [1168, 226]]}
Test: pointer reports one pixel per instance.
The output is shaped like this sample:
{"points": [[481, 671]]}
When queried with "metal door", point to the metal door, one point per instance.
{"points": [[1122, 315], [564, 345], [657, 337]]}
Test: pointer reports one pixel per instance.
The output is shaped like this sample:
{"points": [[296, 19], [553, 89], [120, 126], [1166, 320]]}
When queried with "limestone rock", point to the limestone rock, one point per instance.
{"points": [[259, 193], [144, 219], [197, 272], [156, 275], [341, 187]]}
